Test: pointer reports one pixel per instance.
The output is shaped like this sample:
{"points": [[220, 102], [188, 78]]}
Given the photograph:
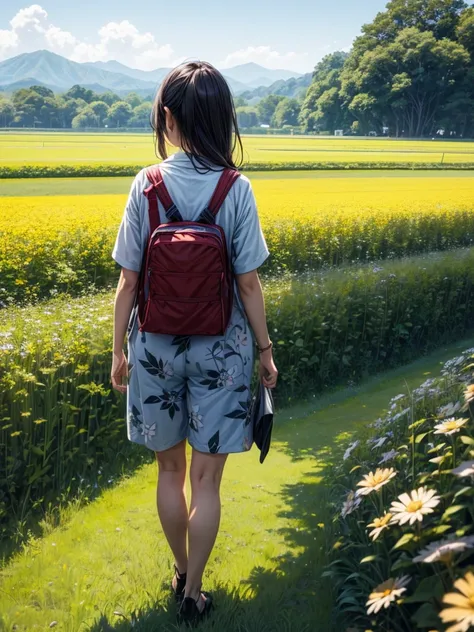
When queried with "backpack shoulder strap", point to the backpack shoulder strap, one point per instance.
{"points": [[157, 189], [227, 179]]}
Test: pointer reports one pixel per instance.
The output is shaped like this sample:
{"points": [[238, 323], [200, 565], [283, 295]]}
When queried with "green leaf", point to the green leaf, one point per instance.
{"points": [[452, 510], [356, 467], [426, 617], [419, 438], [440, 529], [427, 589], [404, 540]]}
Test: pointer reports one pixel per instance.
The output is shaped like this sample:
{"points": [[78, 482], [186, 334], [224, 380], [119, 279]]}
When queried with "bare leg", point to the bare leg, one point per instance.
{"points": [[171, 501], [204, 516]]}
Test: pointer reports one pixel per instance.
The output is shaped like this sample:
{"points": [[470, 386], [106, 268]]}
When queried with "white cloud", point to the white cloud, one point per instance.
{"points": [[30, 16], [265, 56], [31, 30]]}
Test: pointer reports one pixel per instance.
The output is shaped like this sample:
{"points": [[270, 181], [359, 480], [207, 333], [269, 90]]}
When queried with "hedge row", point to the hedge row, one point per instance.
{"points": [[60, 418], [111, 170]]}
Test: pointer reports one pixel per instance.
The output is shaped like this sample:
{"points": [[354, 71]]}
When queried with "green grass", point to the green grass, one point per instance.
{"points": [[108, 563], [109, 186], [48, 148]]}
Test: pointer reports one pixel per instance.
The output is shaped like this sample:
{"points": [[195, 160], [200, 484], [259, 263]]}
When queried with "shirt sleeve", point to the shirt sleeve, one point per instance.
{"points": [[128, 249], [249, 249]]}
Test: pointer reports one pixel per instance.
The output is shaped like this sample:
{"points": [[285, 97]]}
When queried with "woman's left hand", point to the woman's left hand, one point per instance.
{"points": [[119, 371]]}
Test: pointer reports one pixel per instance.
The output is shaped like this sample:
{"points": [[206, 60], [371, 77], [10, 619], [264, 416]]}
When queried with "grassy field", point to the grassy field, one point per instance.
{"points": [[107, 566], [47, 148]]}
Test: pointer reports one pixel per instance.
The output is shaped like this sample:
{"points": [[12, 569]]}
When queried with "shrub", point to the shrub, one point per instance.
{"points": [[59, 417], [111, 170], [404, 512]]}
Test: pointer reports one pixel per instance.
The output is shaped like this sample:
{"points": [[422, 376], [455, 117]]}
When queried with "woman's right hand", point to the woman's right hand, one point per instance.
{"points": [[267, 369]]}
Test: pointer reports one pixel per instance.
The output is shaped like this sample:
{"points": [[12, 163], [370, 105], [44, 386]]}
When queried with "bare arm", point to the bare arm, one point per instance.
{"points": [[124, 299], [251, 293]]}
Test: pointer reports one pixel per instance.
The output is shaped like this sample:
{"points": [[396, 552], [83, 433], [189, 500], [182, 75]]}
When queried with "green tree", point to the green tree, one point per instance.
{"points": [[141, 115], [286, 112], [100, 109], [43, 91], [109, 97], [323, 107], [68, 109], [465, 31], [86, 118], [405, 83], [7, 113], [266, 108], [239, 102], [247, 116], [119, 114], [79, 92], [133, 100]]}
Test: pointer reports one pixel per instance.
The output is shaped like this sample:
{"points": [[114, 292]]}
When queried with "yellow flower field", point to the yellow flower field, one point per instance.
{"points": [[65, 242]]}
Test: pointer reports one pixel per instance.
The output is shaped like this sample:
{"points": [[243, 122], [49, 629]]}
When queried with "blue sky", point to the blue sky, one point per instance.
{"points": [[151, 34]]}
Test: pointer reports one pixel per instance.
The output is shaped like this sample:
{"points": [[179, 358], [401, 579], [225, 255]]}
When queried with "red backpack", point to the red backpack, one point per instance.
{"points": [[186, 285]]}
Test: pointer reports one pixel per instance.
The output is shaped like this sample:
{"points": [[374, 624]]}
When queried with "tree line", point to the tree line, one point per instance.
{"points": [[77, 108], [80, 108]]}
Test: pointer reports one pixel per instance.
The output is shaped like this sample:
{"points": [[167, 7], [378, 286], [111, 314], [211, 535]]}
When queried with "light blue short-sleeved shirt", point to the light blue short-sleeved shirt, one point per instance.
{"points": [[191, 191]]}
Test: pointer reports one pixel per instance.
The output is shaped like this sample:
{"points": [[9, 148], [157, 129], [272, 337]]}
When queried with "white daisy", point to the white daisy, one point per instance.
{"points": [[350, 449], [379, 525], [385, 594], [372, 482], [412, 507], [388, 456], [443, 551], [350, 504], [464, 469], [450, 426]]}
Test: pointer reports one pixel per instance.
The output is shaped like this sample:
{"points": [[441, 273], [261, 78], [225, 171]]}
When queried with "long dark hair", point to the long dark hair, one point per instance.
{"points": [[201, 102]]}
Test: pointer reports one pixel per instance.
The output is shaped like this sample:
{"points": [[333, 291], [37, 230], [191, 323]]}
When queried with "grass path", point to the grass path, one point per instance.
{"points": [[109, 186], [109, 567]]}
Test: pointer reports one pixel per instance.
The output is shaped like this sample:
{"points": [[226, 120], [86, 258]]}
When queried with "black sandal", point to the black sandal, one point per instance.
{"points": [[189, 613], [180, 585]]}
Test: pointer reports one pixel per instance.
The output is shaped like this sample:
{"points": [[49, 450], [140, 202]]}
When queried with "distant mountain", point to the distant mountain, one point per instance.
{"points": [[289, 88], [51, 69], [159, 74], [26, 83], [58, 73], [156, 76], [254, 75]]}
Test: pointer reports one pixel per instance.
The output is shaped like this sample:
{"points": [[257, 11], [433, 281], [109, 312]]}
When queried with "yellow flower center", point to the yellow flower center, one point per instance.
{"points": [[387, 592], [451, 425], [414, 506]]}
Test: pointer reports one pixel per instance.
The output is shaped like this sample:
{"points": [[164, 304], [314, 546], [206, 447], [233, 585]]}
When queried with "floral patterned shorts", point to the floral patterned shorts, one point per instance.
{"points": [[191, 387]]}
